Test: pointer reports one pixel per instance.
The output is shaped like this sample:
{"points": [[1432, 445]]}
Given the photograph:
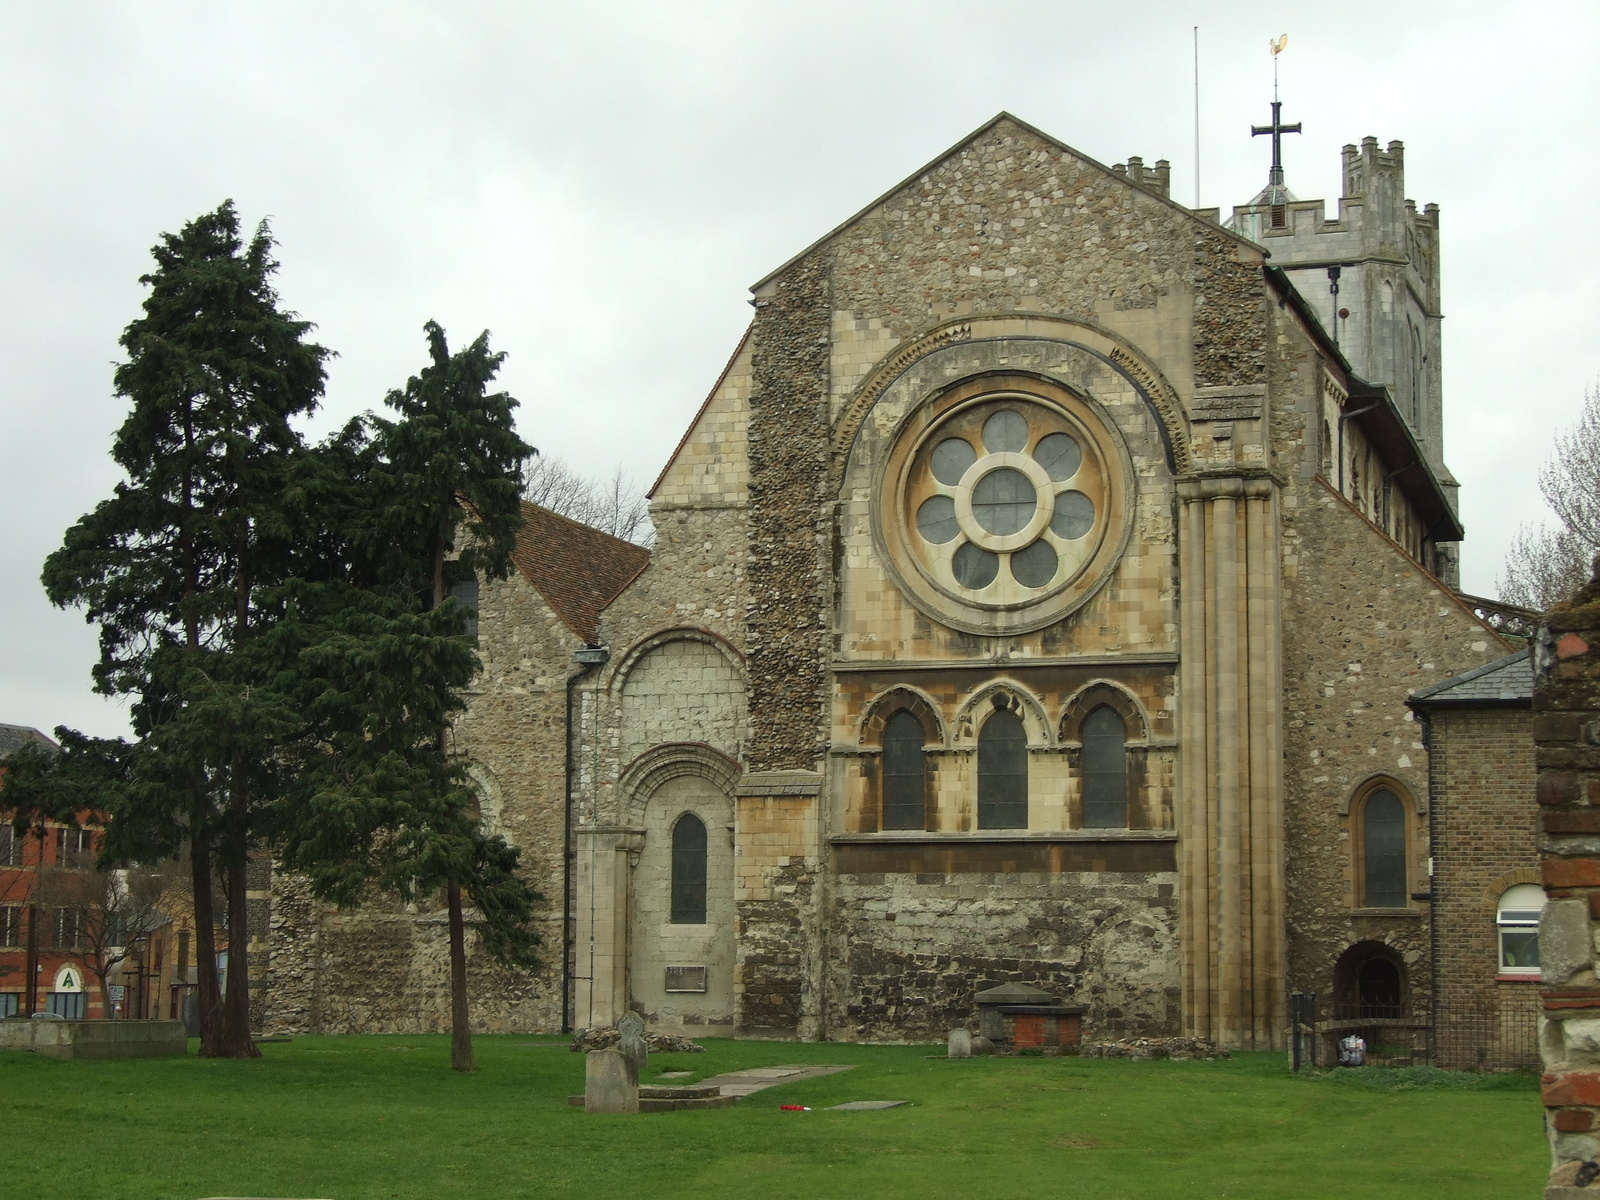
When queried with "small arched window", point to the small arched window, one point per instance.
{"points": [[689, 871], [1516, 920], [1105, 770], [1003, 772], [1383, 850], [903, 768]]}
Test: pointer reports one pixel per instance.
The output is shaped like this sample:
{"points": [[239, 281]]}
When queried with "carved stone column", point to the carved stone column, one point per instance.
{"points": [[1230, 811]]}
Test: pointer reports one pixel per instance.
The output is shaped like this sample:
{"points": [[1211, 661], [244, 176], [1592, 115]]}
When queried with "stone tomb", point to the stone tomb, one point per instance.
{"points": [[1015, 1016]]}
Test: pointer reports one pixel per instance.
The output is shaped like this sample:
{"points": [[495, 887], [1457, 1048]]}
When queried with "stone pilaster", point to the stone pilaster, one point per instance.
{"points": [[1566, 705], [1230, 814], [604, 874]]}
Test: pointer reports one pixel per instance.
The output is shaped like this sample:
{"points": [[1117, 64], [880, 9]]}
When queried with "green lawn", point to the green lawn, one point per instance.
{"points": [[384, 1117]]}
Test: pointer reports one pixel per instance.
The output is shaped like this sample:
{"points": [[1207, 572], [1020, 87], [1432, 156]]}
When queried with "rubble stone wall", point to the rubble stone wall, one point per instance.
{"points": [[909, 951], [1364, 627]]}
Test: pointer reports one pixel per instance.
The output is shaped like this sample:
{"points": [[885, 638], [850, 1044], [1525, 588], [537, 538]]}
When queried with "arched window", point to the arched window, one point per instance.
{"points": [[689, 871], [1105, 770], [1003, 772], [1383, 851], [903, 768], [1516, 919]]}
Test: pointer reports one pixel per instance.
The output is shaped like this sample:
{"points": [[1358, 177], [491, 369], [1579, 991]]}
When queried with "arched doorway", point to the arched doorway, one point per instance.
{"points": [[1370, 982]]}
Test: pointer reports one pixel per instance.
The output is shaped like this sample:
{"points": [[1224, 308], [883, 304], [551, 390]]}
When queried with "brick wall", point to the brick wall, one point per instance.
{"points": [[1485, 840]]}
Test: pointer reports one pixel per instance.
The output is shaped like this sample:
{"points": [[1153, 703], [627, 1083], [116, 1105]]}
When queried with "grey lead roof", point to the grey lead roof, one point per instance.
{"points": [[1506, 679], [14, 737]]}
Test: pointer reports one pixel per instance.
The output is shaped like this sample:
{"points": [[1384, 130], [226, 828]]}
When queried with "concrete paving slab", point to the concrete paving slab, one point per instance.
{"points": [[867, 1105]]}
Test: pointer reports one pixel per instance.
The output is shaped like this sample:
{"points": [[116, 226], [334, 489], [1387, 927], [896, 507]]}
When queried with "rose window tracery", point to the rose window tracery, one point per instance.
{"points": [[1003, 502]]}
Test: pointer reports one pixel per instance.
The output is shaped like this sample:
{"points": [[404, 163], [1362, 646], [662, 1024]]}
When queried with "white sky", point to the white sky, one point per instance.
{"points": [[599, 184]]}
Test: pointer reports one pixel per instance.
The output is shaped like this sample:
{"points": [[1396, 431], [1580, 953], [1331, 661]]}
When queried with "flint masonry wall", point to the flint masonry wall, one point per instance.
{"points": [[1364, 627]]}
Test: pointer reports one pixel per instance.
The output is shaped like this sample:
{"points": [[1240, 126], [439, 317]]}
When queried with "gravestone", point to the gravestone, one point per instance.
{"points": [[959, 1044], [610, 1083], [632, 1043]]}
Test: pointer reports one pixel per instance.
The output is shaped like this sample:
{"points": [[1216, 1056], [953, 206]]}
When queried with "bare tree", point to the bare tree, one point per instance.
{"points": [[100, 916], [1545, 566], [616, 506]]}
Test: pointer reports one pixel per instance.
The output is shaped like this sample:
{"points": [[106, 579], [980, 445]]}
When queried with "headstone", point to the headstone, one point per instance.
{"points": [[981, 1046], [632, 1043], [960, 1044], [609, 1083]]}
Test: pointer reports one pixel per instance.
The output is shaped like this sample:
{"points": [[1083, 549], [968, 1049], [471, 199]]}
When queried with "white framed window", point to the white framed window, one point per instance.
{"points": [[1516, 920]]}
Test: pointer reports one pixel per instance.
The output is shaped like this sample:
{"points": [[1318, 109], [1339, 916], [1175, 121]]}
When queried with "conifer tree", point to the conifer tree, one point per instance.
{"points": [[175, 567], [385, 661]]}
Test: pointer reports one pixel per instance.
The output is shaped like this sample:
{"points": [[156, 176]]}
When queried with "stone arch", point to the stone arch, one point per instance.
{"points": [[1114, 696], [1347, 978], [1156, 394], [1002, 693], [491, 802], [644, 776], [881, 707], [631, 657], [680, 685], [1357, 796]]}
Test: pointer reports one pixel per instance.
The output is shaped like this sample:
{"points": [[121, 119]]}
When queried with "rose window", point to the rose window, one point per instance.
{"points": [[1005, 503]]}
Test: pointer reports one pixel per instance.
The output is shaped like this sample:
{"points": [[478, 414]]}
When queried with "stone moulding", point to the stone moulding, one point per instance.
{"points": [[780, 783], [643, 777], [1109, 692], [885, 704], [630, 657], [1157, 395], [972, 713]]}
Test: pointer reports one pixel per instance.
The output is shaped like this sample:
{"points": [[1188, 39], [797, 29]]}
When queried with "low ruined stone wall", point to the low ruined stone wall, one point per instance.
{"points": [[907, 952]]}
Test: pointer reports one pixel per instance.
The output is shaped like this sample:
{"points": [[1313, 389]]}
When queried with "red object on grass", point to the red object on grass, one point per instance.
{"points": [[794, 1108]]}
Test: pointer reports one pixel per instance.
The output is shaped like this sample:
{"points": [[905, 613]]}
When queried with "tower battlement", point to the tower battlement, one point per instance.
{"points": [[1371, 274]]}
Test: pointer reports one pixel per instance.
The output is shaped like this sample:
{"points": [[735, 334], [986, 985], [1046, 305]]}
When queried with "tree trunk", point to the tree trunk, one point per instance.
{"points": [[460, 1027], [236, 1041], [205, 946], [460, 1018]]}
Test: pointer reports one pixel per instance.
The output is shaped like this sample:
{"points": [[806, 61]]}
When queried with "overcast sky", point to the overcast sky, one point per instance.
{"points": [[599, 184]]}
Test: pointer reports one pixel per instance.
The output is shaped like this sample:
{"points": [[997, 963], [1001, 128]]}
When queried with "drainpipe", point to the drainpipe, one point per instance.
{"points": [[1433, 888], [587, 659]]}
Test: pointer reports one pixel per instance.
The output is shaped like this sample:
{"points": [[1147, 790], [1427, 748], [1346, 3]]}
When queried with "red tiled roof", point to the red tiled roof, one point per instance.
{"points": [[578, 570]]}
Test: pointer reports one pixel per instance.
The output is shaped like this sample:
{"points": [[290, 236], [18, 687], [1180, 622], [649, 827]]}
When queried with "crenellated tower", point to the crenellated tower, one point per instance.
{"points": [[1372, 276]]}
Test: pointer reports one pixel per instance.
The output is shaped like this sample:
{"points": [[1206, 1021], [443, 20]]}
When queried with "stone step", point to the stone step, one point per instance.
{"points": [[649, 1103], [671, 1091], [653, 1105]]}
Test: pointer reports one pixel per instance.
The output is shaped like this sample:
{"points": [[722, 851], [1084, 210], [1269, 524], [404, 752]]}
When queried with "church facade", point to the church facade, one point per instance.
{"points": [[1035, 598]]}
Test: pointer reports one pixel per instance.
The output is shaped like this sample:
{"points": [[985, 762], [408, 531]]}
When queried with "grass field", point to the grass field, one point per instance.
{"points": [[349, 1118]]}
